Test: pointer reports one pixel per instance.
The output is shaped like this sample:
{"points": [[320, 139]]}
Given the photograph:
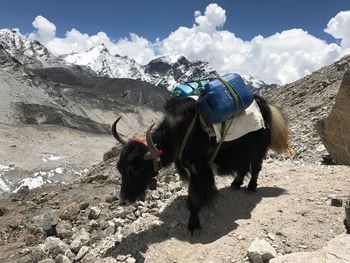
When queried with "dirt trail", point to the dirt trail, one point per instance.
{"points": [[291, 210]]}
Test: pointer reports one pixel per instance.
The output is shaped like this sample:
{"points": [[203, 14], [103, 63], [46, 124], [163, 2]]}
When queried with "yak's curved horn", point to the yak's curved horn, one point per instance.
{"points": [[116, 135], [153, 151]]}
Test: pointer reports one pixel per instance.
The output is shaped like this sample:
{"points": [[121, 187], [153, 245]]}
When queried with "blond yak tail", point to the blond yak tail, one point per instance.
{"points": [[279, 132]]}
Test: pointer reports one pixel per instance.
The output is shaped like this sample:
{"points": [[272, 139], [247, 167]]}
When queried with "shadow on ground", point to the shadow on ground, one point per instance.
{"points": [[217, 221]]}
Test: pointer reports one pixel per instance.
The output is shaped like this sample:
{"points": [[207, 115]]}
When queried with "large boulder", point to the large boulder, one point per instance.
{"points": [[335, 129], [336, 251]]}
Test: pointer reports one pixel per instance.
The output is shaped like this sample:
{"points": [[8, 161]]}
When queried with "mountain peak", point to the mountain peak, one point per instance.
{"points": [[28, 52]]}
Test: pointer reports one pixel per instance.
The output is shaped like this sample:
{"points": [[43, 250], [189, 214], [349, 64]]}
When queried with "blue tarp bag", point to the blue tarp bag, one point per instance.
{"points": [[224, 98], [192, 88]]}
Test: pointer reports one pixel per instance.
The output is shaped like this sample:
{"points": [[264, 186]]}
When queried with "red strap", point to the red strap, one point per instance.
{"points": [[143, 141]]}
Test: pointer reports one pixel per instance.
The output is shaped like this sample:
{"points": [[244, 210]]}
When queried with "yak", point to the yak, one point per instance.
{"points": [[141, 159]]}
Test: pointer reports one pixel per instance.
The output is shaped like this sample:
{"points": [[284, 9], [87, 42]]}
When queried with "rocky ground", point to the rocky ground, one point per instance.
{"points": [[298, 207]]}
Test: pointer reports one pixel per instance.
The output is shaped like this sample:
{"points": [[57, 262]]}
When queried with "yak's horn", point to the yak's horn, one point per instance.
{"points": [[116, 135], [153, 151]]}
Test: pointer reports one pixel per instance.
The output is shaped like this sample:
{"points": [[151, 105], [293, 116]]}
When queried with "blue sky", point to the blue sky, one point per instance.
{"points": [[276, 41], [157, 18]]}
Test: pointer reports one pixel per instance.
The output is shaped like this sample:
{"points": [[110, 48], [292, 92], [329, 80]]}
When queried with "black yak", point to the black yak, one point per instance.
{"points": [[141, 160]]}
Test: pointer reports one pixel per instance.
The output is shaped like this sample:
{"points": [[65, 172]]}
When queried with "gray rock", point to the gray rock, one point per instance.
{"points": [[44, 223], [94, 212], [83, 205], [83, 236], [54, 246], [75, 245], [338, 202], [21, 193], [130, 260], [261, 251], [3, 211], [62, 259], [82, 252], [121, 258], [334, 130], [336, 251], [90, 257], [64, 229]]}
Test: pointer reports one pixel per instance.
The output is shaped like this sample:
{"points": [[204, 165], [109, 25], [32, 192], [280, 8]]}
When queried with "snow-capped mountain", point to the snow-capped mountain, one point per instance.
{"points": [[258, 86], [100, 60], [27, 52], [164, 71]]}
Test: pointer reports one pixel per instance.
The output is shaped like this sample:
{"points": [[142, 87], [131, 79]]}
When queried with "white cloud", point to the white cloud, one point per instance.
{"points": [[280, 58], [45, 29], [135, 47], [213, 18], [339, 28]]}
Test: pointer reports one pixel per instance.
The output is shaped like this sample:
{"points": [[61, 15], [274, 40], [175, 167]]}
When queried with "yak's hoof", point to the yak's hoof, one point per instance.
{"points": [[236, 185], [193, 224], [251, 188]]}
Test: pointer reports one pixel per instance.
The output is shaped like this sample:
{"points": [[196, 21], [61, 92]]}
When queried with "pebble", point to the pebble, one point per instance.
{"points": [[94, 212]]}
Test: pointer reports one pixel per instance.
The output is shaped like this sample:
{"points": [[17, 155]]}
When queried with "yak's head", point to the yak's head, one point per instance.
{"points": [[136, 166]]}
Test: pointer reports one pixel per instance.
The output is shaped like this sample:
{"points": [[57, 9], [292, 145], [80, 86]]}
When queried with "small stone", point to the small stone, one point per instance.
{"points": [[21, 193], [130, 260], [336, 202], [261, 251], [62, 259], [303, 246], [44, 223], [93, 224], [3, 211], [64, 229], [94, 212], [83, 235], [70, 212], [82, 252], [121, 258], [75, 245], [83, 205], [271, 236], [55, 246]]}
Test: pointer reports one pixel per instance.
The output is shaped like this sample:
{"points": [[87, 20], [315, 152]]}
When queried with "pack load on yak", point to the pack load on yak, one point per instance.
{"points": [[220, 99]]}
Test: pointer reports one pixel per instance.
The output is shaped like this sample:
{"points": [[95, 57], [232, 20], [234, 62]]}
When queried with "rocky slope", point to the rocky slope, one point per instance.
{"points": [[305, 102]]}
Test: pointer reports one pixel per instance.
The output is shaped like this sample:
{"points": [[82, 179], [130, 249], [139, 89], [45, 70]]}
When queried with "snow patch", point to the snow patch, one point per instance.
{"points": [[31, 182], [51, 157], [4, 185]]}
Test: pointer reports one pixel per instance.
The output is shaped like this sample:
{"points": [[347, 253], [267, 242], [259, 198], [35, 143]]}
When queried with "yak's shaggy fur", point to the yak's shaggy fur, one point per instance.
{"points": [[240, 156]]}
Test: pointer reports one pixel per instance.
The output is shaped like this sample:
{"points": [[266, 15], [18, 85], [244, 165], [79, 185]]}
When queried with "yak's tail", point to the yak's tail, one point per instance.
{"points": [[279, 132]]}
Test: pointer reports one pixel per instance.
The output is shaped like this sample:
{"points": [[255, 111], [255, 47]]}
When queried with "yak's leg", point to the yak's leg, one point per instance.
{"points": [[256, 167], [238, 181], [201, 191]]}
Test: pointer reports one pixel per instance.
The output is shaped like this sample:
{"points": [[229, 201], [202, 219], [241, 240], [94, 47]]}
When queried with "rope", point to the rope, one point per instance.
{"points": [[187, 135], [236, 99]]}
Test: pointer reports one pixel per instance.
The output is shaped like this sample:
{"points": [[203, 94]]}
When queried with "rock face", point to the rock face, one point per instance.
{"points": [[307, 101], [335, 129], [336, 251]]}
